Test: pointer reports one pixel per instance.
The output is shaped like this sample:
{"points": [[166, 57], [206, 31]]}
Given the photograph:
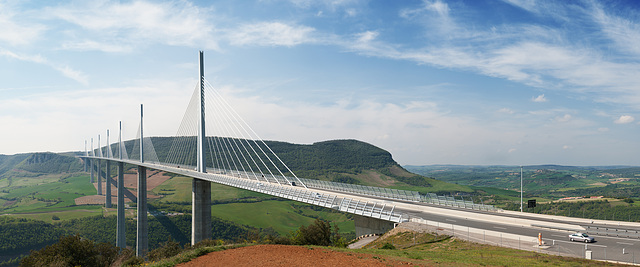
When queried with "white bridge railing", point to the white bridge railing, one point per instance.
{"points": [[381, 192], [288, 191]]}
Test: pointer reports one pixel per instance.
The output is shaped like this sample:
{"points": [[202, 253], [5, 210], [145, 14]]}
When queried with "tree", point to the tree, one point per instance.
{"points": [[318, 233], [73, 251]]}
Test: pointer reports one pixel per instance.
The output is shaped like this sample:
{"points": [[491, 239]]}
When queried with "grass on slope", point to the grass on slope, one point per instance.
{"points": [[429, 249], [283, 216], [49, 194], [72, 213], [178, 189]]}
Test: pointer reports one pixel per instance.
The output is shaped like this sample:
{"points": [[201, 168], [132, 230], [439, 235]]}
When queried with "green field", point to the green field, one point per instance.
{"points": [[283, 216], [77, 212], [178, 189], [41, 194]]}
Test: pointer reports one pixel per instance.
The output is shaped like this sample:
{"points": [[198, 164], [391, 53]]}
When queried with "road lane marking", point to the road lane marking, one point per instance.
{"points": [[498, 227], [450, 220], [623, 243]]}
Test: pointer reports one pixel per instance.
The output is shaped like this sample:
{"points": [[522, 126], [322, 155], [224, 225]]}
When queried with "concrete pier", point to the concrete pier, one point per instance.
{"points": [[91, 170], [368, 225], [107, 178], [99, 178], [201, 211], [121, 241], [142, 238]]}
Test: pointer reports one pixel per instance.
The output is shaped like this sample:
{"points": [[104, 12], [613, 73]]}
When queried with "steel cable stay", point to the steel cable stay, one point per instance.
{"points": [[235, 148], [182, 148], [239, 138], [243, 123], [186, 133], [248, 139], [242, 140]]}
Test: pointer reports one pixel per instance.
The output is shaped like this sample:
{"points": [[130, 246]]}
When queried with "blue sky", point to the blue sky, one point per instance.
{"points": [[433, 81]]}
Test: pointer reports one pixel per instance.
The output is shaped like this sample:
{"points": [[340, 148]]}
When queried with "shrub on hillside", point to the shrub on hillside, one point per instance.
{"points": [[166, 250], [318, 233], [73, 251]]}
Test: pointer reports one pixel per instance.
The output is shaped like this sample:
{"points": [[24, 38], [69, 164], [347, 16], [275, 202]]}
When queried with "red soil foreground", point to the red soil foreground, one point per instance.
{"points": [[280, 255]]}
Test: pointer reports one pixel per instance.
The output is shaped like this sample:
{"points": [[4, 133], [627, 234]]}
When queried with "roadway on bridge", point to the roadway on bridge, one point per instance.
{"points": [[513, 223], [556, 241]]}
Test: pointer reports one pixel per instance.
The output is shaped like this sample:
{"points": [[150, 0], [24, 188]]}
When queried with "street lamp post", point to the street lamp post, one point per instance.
{"points": [[521, 188]]}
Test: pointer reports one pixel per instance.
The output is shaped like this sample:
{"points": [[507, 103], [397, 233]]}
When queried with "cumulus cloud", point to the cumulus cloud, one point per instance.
{"points": [[565, 118], [67, 71], [539, 99], [135, 23], [271, 34], [624, 119], [14, 31]]}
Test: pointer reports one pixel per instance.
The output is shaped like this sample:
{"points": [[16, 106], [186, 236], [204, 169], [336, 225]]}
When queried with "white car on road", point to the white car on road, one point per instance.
{"points": [[582, 237]]}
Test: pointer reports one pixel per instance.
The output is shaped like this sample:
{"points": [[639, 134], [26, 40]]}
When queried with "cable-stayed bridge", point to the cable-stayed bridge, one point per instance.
{"points": [[221, 148]]}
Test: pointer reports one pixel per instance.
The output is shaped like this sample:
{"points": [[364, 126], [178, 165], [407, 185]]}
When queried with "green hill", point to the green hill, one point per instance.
{"points": [[345, 161]]}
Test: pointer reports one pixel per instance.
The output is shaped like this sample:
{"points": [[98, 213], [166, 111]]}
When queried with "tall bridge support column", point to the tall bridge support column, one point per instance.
{"points": [[201, 190], [121, 241], [201, 211], [99, 178], [92, 180], [107, 178], [368, 225], [142, 238]]}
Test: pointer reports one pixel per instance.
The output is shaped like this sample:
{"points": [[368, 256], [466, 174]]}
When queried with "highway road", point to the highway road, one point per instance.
{"points": [[506, 228], [523, 227]]}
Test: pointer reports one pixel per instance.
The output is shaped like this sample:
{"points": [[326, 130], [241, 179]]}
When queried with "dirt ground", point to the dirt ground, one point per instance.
{"points": [[289, 256], [154, 179]]}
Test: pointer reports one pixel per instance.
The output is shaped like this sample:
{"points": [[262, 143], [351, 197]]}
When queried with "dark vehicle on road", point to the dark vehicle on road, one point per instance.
{"points": [[582, 237]]}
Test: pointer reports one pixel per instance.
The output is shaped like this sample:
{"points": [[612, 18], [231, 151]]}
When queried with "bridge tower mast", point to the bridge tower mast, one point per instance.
{"points": [[142, 231], [201, 189], [120, 235], [91, 162], [107, 176], [99, 168]]}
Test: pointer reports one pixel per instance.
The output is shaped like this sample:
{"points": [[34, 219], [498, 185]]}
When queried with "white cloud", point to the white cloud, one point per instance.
{"points": [[136, 23], [63, 69], [68, 118], [539, 99], [565, 118], [506, 111], [566, 147], [624, 119], [271, 34], [15, 32]]}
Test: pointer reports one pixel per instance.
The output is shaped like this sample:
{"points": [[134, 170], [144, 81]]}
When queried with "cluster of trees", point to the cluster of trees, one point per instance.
{"points": [[74, 250], [319, 233], [48, 162], [18, 236], [601, 209]]}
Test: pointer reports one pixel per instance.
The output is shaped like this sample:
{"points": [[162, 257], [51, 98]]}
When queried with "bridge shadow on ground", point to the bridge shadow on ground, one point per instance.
{"points": [[114, 182], [171, 227]]}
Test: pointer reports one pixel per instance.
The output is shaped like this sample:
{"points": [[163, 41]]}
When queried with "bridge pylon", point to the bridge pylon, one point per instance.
{"points": [[142, 231], [201, 189]]}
